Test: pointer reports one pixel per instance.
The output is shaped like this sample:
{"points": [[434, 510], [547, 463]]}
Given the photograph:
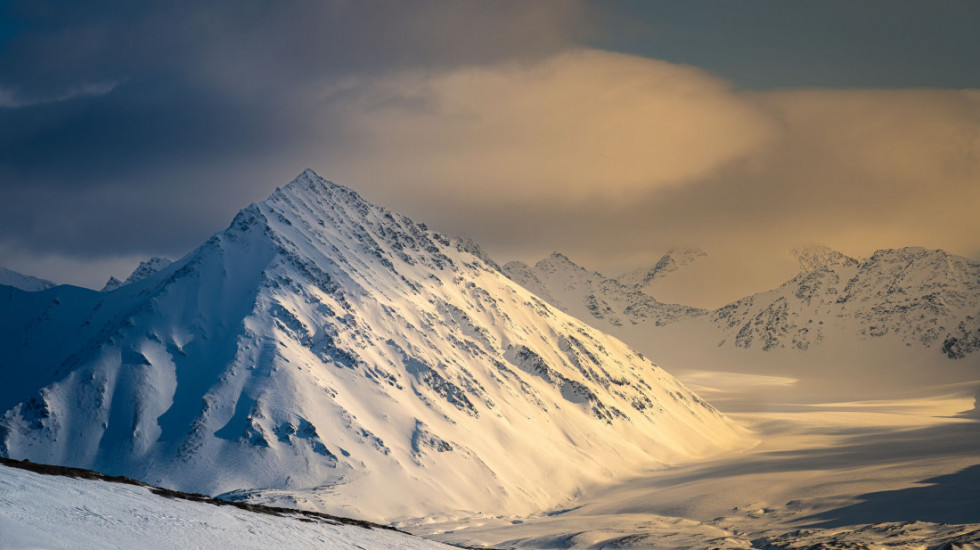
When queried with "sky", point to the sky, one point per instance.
{"points": [[610, 131]]}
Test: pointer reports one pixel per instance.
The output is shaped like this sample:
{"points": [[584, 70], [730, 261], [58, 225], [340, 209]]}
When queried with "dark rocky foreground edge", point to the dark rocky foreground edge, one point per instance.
{"points": [[301, 515]]}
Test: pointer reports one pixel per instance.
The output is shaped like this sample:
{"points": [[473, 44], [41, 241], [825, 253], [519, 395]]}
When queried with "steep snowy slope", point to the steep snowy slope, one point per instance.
{"points": [[24, 282], [325, 352], [142, 271]]}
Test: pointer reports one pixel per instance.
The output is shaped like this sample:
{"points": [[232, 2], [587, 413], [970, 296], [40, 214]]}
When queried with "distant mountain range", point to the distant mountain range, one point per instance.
{"points": [[24, 282], [325, 352], [925, 297]]}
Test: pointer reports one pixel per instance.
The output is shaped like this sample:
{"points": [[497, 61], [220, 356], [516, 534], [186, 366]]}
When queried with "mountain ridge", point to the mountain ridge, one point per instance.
{"points": [[925, 297], [28, 283], [327, 352]]}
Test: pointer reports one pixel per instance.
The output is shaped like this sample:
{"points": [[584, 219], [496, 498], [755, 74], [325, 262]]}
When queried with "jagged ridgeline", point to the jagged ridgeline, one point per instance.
{"points": [[326, 352], [911, 296]]}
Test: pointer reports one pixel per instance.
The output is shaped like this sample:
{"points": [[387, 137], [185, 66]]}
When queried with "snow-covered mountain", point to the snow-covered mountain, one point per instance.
{"points": [[142, 271], [671, 261], [29, 283], [325, 352], [590, 295], [924, 297]]}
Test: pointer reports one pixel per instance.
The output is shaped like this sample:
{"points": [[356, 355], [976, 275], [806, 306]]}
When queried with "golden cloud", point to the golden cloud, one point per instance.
{"points": [[613, 158], [577, 125]]}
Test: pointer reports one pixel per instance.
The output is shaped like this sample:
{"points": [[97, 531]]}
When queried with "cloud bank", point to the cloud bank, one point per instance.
{"points": [[613, 159], [132, 131]]}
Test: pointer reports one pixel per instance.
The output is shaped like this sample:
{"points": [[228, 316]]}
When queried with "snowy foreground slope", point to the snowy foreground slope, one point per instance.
{"points": [[53, 512], [327, 353]]}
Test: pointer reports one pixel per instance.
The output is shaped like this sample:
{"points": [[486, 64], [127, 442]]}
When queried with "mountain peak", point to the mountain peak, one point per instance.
{"points": [[910, 253], [309, 181], [24, 282], [557, 260], [672, 260], [325, 342], [148, 268], [112, 284], [817, 257]]}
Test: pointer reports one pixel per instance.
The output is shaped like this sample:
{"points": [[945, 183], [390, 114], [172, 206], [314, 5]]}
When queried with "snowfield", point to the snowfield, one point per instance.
{"points": [[897, 475], [55, 512]]}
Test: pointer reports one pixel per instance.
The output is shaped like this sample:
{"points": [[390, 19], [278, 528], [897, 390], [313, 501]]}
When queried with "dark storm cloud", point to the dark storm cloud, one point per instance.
{"points": [[136, 128], [264, 44], [766, 44], [139, 127]]}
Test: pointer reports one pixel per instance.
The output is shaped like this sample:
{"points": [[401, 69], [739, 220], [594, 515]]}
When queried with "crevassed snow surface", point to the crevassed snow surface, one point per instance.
{"points": [[55, 512], [324, 352]]}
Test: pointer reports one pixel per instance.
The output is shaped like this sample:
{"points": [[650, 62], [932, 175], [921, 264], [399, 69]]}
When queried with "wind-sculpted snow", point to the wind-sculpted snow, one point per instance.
{"points": [[327, 353]]}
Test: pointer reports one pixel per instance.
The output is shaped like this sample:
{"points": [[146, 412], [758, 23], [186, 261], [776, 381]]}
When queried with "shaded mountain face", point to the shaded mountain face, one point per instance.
{"points": [[9, 277], [673, 260], [325, 352], [142, 271], [920, 297]]}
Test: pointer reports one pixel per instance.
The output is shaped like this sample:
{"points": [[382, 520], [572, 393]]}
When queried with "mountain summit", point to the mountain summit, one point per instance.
{"points": [[671, 261], [24, 282], [328, 353]]}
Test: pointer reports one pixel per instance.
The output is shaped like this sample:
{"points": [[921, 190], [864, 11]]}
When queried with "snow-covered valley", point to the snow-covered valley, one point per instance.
{"points": [[898, 474]]}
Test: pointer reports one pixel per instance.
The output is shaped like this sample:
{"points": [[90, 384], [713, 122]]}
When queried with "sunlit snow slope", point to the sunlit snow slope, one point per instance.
{"points": [[332, 354], [55, 512]]}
